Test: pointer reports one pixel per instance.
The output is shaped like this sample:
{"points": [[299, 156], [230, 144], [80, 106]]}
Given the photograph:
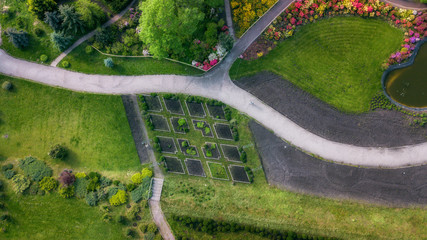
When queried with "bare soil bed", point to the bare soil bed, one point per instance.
{"points": [[167, 144], [176, 127], [289, 168], [196, 109], [195, 167], [174, 106], [238, 174], [379, 128], [231, 153], [153, 103], [223, 131], [216, 112], [174, 165], [160, 123]]}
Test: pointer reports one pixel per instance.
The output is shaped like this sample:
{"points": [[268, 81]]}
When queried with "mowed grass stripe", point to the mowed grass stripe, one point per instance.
{"points": [[338, 60]]}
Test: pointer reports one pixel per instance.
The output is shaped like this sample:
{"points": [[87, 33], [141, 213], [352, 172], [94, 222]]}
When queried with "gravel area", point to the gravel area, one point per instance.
{"points": [[380, 128], [289, 168]]}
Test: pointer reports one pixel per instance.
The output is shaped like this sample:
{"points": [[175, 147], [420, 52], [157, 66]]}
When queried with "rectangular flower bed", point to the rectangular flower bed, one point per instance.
{"points": [[204, 127], [231, 153], [152, 103], [238, 174], [216, 111], [210, 150], [160, 123], [195, 167], [174, 165], [179, 125], [217, 171], [174, 106], [187, 149], [223, 131], [167, 144], [195, 109]]}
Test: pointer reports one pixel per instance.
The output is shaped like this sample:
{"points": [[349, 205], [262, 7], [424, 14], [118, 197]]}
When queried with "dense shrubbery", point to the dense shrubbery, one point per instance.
{"points": [[210, 226], [60, 40], [80, 186], [66, 191], [143, 191], [67, 178], [35, 169], [18, 38], [48, 183], [91, 13], [92, 198], [246, 12], [119, 198], [40, 7], [20, 183]]}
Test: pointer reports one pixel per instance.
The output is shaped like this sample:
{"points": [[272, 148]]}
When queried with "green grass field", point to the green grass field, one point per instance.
{"points": [[93, 127], [93, 63], [338, 60]]}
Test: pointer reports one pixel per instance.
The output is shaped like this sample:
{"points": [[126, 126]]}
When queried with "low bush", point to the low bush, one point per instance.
{"points": [[149, 236], [57, 151], [35, 169], [133, 212], [88, 49], [81, 186], [104, 182], [48, 183], [108, 62], [66, 191], [8, 174], [93, 184], [5, 217], [65, 64], [67, 178], [19, 39], [39, 32], [106, 217], [119, 198], [80, 175], [130, 233], [137, 178], [6, 167], [152, 228], [34, 189], [6, 85], [20, 183], [60, 40], [227, 113], [146, 173], [143, 227], [243, 156], [130, 187], [43, 58], [142, 191], [92, 198], [121, 219]]}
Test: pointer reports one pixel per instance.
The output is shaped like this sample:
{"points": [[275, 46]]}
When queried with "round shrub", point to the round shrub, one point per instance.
{"points": [[146, 173], [43, 58], [6, 167], [6, 85], [57, 151], [65, 64], [48, 183], [137, 178], [67, 178], [130, 233], [80, 175], [8, 174], [66, 192], [88, 49], [119, 198], [109, 62]]}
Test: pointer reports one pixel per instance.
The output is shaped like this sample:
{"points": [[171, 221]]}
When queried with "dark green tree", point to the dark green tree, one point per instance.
{"points": [[19, 38], [71, 22], [166, 25], [54, 20], [60, 40], [39, 7], [91, 13]]}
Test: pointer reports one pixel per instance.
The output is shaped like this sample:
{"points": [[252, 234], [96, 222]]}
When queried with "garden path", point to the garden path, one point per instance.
{"points": [[217, 85], [407, 4], [89, 35], [229, 18]]}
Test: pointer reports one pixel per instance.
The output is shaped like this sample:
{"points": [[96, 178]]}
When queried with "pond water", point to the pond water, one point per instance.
{"points": [[408, 86]]}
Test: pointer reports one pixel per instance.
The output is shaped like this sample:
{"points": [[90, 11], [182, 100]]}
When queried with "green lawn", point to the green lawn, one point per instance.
{"points": [[93, 63], [93, 127], [50, 216], [38, 45], [338, 60]]}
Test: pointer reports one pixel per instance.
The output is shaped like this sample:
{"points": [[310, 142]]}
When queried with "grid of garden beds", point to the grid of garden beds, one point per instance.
{"points": [[193, 136]]}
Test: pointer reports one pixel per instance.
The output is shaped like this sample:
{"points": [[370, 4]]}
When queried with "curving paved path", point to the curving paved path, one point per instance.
{"points": [[407, 4], [89, 35], [217, 84]]}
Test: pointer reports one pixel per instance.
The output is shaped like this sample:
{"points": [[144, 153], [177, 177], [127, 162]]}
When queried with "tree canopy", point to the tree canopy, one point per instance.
{"points": [[165, 25]]}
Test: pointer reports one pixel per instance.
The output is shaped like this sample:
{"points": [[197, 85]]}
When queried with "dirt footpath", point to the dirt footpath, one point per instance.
{"points": [[289, 168], [380, 128]]}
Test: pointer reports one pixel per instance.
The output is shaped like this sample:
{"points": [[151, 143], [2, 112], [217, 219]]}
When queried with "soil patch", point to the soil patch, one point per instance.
{"points": [[174, 106], [216, 112], [196, 109], [160, 123], [223, 131], [231, 153], [288, 167], [187, 149], [153, 103], [379, 128], [174, 165], [195, 167], [238, 173], [177, 128], [210, 150], [204, 127], [167, 145]]}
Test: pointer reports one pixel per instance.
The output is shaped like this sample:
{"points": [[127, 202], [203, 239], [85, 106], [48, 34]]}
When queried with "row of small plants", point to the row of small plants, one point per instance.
{"points": [[213, 227], [5, 218], [303, 12]]}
